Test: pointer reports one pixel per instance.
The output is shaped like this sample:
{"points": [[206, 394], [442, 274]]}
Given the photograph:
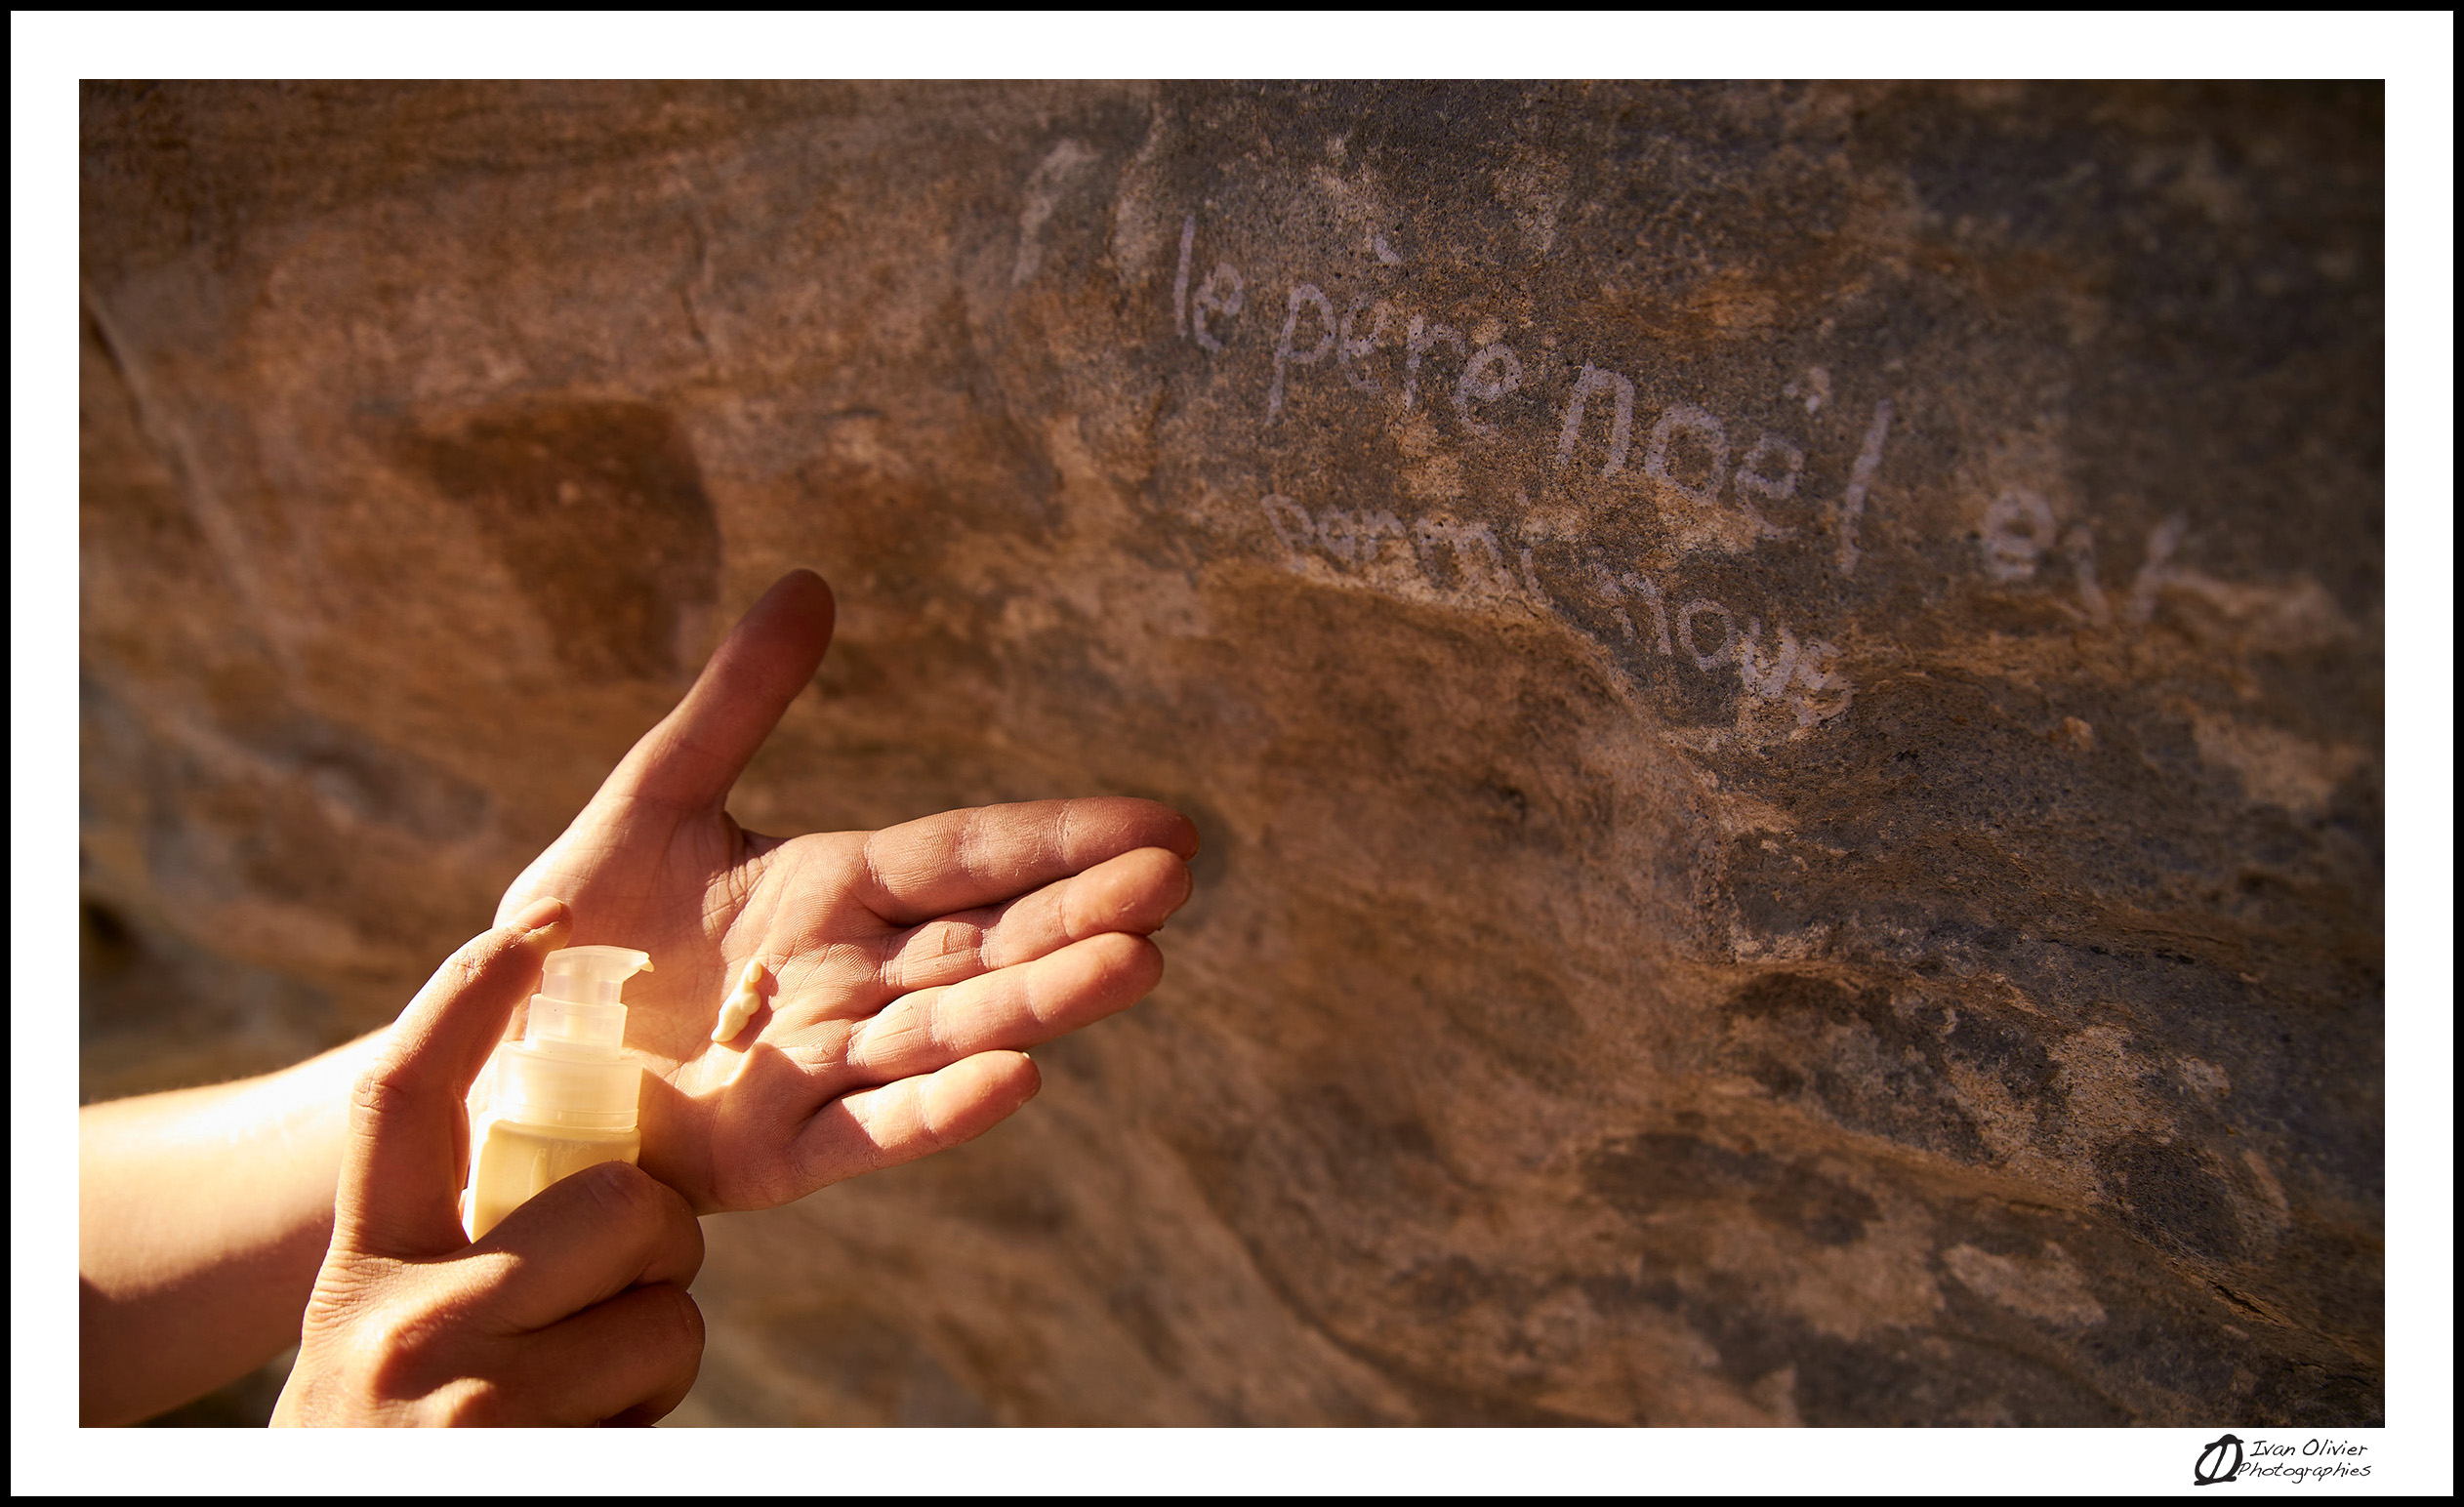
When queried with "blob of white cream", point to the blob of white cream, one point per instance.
{"points": [[742, 1006]]}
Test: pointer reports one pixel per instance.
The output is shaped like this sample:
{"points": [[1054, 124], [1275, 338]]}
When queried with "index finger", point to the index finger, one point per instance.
{"points": [[960, 860], [402, 1169]]}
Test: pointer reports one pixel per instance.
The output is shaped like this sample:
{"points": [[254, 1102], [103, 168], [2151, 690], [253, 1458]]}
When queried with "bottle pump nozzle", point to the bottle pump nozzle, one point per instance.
{"points": [[581, 999], [569, 1068]]}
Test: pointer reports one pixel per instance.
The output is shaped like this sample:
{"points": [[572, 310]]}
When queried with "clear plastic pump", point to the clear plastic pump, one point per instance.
{"points": [[569, 1068]]}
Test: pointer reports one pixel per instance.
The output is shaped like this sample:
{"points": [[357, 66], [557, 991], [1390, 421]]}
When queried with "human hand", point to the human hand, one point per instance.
{"points": [[909, 968], [572, 1309]]}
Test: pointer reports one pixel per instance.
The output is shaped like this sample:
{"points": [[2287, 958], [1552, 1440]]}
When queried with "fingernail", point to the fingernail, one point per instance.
{"points": [[539, 916]]}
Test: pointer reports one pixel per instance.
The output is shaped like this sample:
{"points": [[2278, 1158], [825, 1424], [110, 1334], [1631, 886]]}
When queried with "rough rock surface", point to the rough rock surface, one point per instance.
{"points": [[1783, 685]]}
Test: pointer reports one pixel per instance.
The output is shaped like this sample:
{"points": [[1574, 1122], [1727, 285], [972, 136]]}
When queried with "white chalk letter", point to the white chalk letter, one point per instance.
{"points": [[1621, 427], [2158, 573], [1714, 658], [1304, 295], [1341, 533], [1851, 507], [1471, 385], [1610, 593], [1641, 585], [1292, 524], [1754, 477], [1180, 279], [1766, 684], [1348, 350], [1685, 419], [1042, 195], [2081, 543], [1220, 294], [1418, 342], [2018, 530], [1373, 530]]}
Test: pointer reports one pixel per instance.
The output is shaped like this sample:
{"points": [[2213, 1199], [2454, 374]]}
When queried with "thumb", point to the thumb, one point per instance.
{"points": [[693, 756], [401, 1171]]}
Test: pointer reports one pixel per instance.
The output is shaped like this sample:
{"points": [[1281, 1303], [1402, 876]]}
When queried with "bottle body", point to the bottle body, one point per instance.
{"points": [[511, 1159], [562, 1098]]}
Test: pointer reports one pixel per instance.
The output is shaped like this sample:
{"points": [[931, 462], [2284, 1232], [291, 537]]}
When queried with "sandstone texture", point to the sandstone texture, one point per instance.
{"points": [[1783, 685]]}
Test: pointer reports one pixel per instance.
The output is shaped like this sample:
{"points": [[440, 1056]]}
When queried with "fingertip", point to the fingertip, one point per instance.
{"points": [[1177, 834], [1136, 892], [1100, 976], [541, 914], [804, 592], [1135, 822], [1020, 1080], [959, 1102], [988, 1088], [1130, 954]]}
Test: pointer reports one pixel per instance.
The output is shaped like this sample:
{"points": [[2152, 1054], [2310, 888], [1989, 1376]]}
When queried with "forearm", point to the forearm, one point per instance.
{"points": [[202, 1216]]}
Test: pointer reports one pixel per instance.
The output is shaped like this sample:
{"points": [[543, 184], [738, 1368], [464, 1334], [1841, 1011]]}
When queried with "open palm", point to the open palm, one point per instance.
{"points": [[907, 969]]}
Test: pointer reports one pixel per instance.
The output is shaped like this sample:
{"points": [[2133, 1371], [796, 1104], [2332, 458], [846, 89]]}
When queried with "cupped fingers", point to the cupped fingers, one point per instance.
{"points": [[1134, 893], [629, 1359], [1015, 1007], [915, 1116]]}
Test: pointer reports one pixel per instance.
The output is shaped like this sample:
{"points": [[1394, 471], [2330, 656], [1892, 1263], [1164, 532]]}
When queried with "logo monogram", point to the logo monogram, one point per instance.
{"points": [[2213, 1467]]}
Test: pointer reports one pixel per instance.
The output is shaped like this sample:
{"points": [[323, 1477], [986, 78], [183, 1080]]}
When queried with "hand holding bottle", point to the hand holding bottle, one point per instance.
{"points": [[572, 1309], [871, 995]]}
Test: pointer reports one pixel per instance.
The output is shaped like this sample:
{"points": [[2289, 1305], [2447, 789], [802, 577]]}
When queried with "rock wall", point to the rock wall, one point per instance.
{"points": [[1783, 686]]}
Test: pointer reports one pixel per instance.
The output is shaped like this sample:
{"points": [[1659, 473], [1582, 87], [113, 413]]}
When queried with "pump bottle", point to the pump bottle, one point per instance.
{"points": [[564, 1097]]}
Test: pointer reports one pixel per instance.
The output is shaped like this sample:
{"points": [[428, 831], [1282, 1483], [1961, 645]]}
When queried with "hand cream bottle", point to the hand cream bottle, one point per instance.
{"points": [[564, 1097]]}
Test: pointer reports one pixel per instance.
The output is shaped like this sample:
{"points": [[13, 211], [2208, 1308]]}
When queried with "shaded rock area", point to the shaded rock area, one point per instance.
{"points": [[1783, 686]]}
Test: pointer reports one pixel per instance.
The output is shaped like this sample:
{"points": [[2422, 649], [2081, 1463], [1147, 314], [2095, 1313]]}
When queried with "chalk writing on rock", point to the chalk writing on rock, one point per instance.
{"points": [[1688, 460], [1218, 297], [1447, 558], [1852, 502], [2018, 530], [1621, 427], [2081, 542], [1471, 387], [1350, 349], [1418, 342], [1689, 619], [1304, 296], [1689, 454], [1711, 436], [1755, 478]]}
